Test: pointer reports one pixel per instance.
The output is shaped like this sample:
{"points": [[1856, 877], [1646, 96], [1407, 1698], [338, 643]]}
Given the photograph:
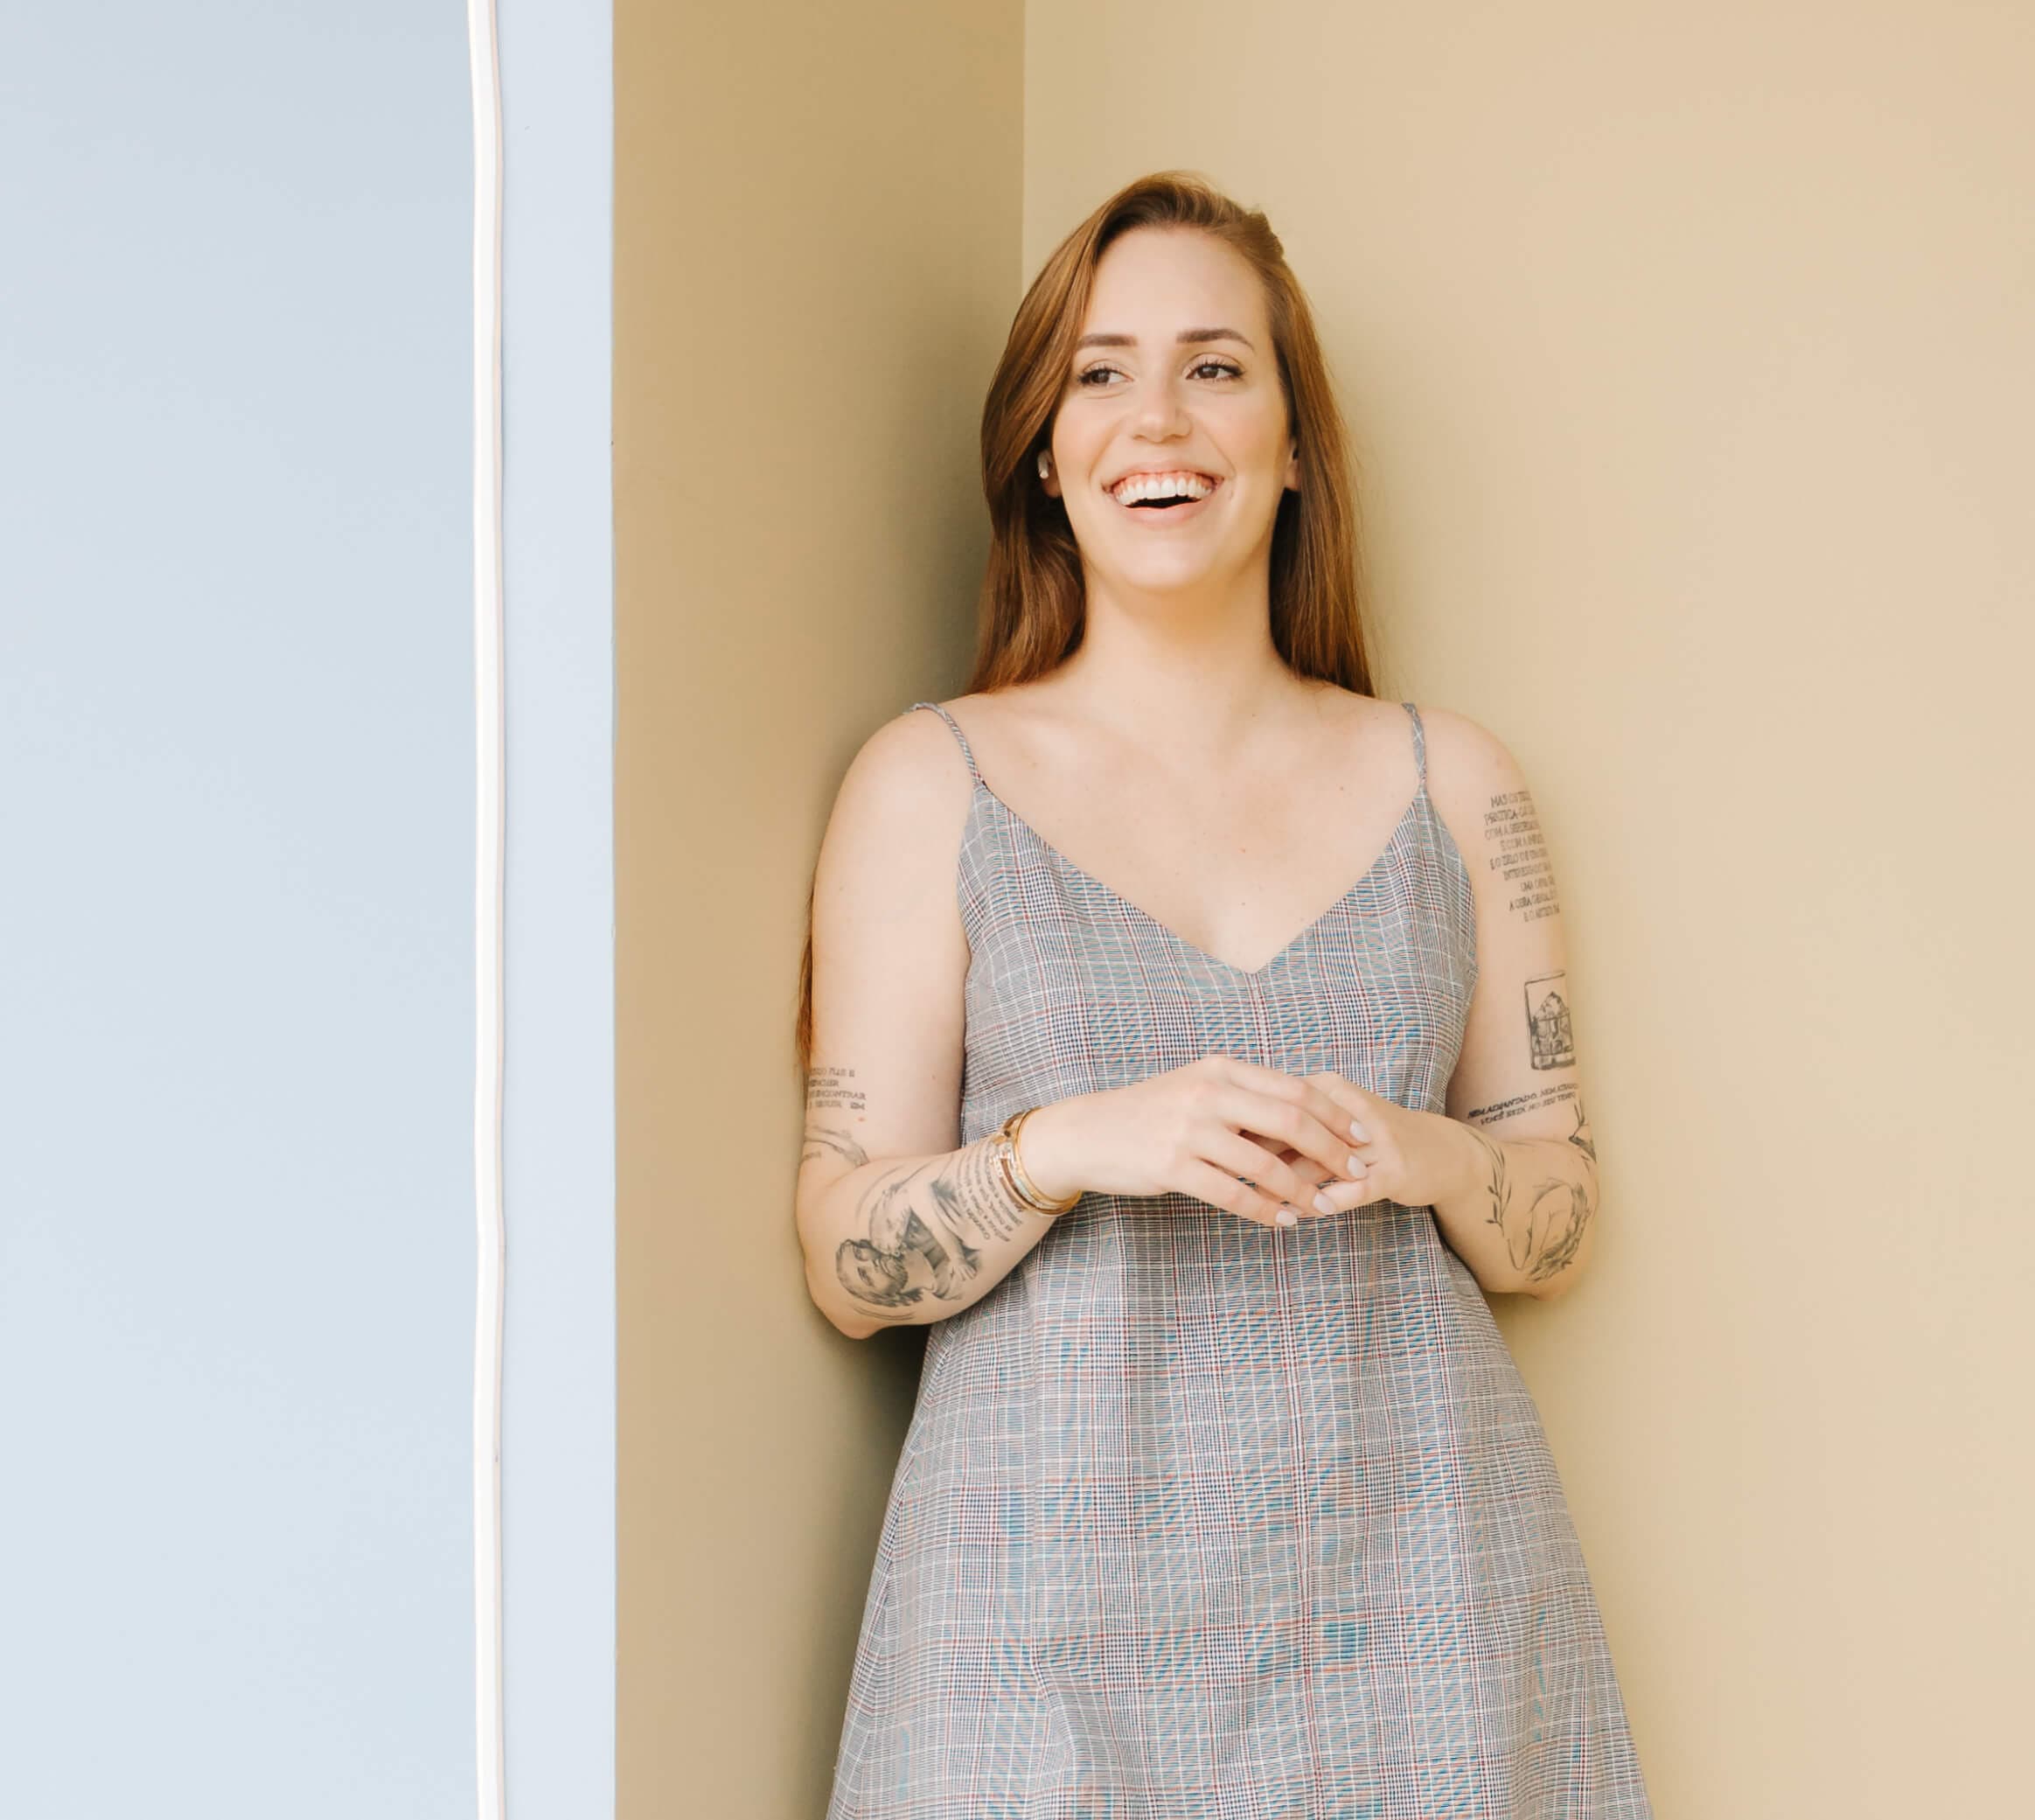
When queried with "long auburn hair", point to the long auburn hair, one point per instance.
{"points": [[1030, 612]]}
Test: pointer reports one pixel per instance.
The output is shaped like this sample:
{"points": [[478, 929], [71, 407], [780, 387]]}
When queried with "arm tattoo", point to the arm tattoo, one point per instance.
{"points": [[1516, 854], [829, 1090], [1544, 1218], [918, 1248], [1581, 1137], [1501, 1109], [1550, 1035]]}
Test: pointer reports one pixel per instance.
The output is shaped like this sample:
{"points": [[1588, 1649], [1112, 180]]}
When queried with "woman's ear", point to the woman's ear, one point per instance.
{"points": [[1047, 479], [1293, 467]]}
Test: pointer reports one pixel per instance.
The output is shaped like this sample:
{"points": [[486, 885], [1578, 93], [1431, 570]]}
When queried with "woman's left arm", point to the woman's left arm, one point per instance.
{"points": [[1523, 1208], [1509, 1167]]}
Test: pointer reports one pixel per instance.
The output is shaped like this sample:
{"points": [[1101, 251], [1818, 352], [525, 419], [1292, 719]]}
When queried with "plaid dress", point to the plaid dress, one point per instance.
{"points": [[1197, 1518]]}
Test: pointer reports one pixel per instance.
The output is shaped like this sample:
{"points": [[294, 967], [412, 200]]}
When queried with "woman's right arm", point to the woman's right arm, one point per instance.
{"points": [[900, 1222]]}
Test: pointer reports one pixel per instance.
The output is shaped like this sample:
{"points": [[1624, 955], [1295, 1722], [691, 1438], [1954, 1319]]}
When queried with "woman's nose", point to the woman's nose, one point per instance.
{"points": [[1162, 410]]}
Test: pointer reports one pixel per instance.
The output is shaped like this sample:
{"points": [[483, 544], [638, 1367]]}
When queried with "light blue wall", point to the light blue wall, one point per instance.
{"points": [[558, 1437], [236, 882]]}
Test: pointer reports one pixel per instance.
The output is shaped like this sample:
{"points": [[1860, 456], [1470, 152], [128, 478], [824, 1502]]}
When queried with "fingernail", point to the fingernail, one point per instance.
{"points": [[1324, 1203], [1356, 1166], [1286, 1216], [1357, 1131]]}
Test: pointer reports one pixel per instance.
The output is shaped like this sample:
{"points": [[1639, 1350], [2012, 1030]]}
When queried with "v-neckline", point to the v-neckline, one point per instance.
{"points": [[1250, 974]]}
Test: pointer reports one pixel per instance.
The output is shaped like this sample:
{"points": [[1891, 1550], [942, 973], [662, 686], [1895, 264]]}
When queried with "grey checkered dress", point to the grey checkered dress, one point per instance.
{"points": [[1201, 1517]]}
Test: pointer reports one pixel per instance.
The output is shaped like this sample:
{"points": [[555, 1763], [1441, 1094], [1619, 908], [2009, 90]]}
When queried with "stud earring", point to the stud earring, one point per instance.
{"points": [[1045, 464]]}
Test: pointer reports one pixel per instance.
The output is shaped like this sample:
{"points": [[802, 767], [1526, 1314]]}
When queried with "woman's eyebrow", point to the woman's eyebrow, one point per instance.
{"points": [[1185, 336]]}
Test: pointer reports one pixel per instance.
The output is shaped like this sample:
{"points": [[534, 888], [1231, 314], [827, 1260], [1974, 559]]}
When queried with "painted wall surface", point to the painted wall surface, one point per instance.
{"points": [[815, 247], [236, 948], [558, 1085], [1687, 351]]}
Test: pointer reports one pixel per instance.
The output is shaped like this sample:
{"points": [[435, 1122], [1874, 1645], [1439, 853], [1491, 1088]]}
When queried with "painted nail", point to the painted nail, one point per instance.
{"points": [[1324, 1203], [1356, 1166], [1357, 1131], [1286, 1216]]}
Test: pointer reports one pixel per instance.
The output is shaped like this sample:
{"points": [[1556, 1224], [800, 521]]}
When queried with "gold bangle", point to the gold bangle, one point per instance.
{"points": [[1014, 1174]]}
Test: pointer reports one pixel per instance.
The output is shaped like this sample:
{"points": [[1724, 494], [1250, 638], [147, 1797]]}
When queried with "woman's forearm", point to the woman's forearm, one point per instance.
{"points": [[905, 1241], [1522, 1215]]}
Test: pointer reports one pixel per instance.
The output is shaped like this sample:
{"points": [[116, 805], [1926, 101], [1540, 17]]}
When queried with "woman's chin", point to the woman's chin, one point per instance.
{"points": [[1184, 572]]}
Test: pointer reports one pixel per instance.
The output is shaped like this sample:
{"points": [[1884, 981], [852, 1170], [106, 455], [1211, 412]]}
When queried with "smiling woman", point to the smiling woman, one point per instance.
{"points": [[1223, 1492]]}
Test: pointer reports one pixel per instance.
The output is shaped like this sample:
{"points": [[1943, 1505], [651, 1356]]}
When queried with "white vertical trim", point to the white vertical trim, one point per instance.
{"points": [[488, 894]]}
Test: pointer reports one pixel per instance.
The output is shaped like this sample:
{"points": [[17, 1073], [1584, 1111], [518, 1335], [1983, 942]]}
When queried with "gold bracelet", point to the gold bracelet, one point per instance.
{"points": [[1020, 1182]]}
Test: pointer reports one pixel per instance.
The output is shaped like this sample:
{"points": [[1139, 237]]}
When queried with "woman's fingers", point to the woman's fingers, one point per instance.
{"points": [[1234, 1182], [1299, 1125]]}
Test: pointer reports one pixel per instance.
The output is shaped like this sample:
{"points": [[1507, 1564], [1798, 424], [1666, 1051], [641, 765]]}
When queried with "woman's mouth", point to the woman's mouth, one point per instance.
{"points": [[1164, 498]]}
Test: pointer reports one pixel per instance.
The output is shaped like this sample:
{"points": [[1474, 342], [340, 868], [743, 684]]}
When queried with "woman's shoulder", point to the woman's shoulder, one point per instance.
{"points": [[1463, 748], [1474, 780]]}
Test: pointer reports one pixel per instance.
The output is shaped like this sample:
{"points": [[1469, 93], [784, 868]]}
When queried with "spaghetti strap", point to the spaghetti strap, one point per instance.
{"points": [[1419, 743], [968, 755]]}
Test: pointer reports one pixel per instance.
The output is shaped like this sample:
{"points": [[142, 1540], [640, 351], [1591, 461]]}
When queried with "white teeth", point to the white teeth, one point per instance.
{"points": [[1134, 488]]}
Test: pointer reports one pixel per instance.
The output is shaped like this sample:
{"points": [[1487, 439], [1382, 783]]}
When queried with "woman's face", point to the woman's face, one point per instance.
{"points": [[1176, 376]]}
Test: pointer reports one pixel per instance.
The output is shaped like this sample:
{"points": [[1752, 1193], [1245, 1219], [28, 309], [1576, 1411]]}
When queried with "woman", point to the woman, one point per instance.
{"points": [[1223, 1495]]}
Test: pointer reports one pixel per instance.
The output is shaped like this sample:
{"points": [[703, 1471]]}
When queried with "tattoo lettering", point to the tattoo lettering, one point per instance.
{"points": [[1518, 855], [830, 1090], [972, 1193], [1548, 1028], [1500, 1110]]}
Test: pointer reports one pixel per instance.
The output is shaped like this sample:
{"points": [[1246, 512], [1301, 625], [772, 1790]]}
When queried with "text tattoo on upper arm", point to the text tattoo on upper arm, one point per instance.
{"points": [[830, 1092], [1516, 855]]}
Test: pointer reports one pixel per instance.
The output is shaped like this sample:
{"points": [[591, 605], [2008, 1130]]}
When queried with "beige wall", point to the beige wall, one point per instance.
{"points": [[1688, 351], [816, 258]]}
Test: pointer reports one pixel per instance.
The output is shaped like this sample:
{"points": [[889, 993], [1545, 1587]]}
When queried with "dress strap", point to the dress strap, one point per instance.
{"points": [[966, 754], [1419, 743]]}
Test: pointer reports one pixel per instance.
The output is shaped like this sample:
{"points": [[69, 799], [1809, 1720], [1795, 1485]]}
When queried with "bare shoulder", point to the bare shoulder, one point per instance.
{"points": [[904, 792], [1462, 755], [1471, 776]]}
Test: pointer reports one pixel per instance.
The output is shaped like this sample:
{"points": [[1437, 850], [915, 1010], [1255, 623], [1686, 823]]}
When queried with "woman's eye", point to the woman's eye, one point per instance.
{"points": [[1222, 369]]}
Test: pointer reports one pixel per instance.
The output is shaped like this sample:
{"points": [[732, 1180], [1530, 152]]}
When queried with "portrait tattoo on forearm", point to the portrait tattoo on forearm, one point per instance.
{"points": [[903, 1260], [918, 1246], [1514, 853]]}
